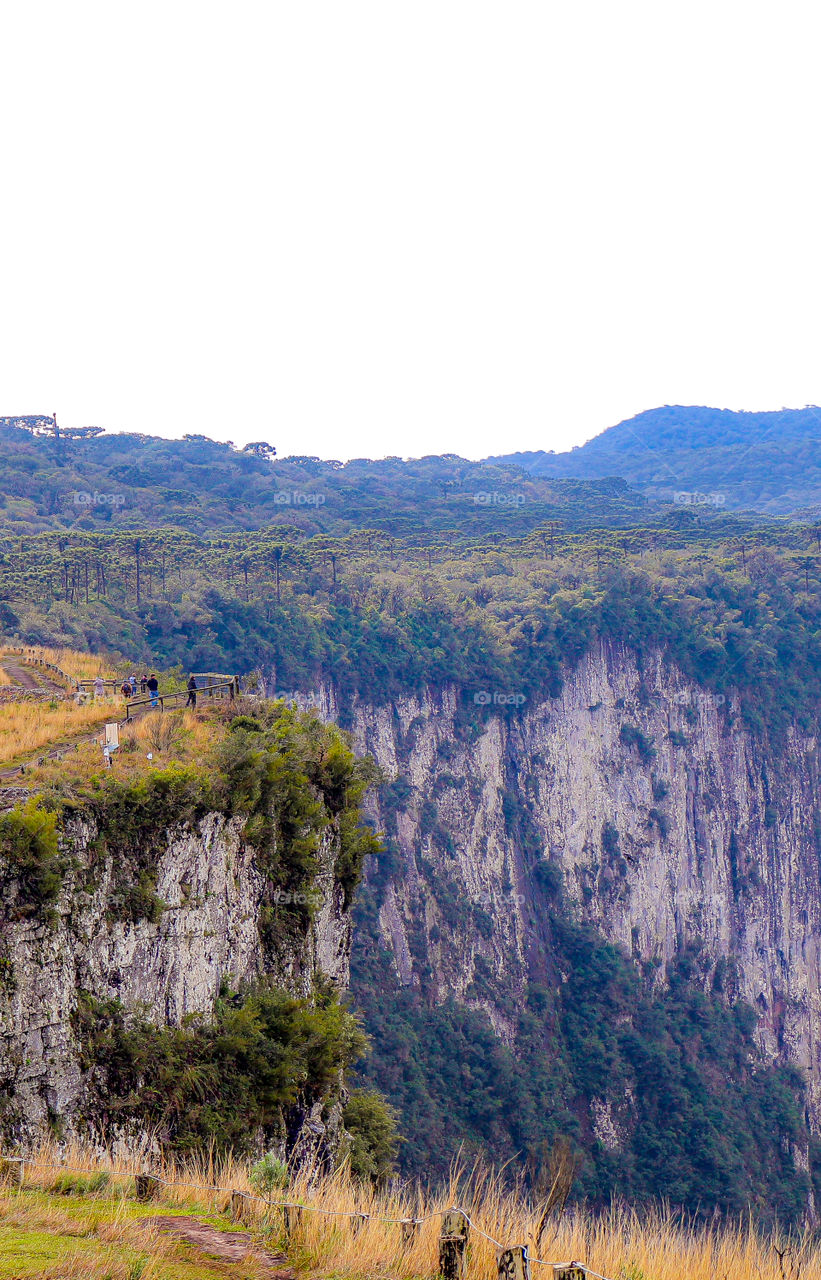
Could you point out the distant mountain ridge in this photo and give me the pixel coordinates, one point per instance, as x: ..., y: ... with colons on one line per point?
x: 91, y: 482
x: 767, y: 462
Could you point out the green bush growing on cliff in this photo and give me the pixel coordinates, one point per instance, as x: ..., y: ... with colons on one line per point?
x: 28, y: 847
x: 255, y: 1067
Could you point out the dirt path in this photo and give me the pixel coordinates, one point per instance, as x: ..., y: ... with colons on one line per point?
x: 227, y: 1246
x: 27, y: 677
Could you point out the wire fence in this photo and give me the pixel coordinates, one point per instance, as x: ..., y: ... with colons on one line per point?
x: 408, y: 1224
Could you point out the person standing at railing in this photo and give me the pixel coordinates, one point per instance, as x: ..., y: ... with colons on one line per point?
x: 192, y: 692
x: 99, y: 687
x: 143, y: 683
x: 125, y: 688
x: 153, y: 684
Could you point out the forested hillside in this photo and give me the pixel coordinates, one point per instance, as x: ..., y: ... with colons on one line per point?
x: 381, y: 617
x: 767, y: 462
x: 99, y: 483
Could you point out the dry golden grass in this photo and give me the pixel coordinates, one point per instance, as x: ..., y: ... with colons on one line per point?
x: 178, y: 736
x: 624, y: 1244
x: 82, y: 666
x: 28, y: 727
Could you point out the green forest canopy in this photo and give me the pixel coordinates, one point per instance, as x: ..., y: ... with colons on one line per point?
x: 381, y: 616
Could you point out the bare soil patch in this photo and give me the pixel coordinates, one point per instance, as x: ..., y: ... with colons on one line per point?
x: 227, y: 1246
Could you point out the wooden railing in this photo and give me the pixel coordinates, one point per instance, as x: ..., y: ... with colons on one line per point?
x: 227, y: 687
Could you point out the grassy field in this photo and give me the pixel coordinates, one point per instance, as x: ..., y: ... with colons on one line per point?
x: 28, y: 727
x: 82, y: 666
x: 95, y: 1237
x: 56, y: 1223
x: 176, y: 736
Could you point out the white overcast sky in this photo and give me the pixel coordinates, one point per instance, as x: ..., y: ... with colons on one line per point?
x: 367, y: 228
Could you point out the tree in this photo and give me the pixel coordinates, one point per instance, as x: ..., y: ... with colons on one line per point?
x: 276, y: 555
x: 260, y: 449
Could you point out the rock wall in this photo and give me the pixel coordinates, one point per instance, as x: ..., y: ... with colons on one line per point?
x: 207, y: 932
x: 672, y: 826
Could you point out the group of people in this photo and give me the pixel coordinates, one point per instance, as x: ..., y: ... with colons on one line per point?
x: 147, y: 684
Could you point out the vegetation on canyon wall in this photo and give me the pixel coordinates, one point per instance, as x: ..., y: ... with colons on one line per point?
x: 251, y: 1069
x: 661, y: 1091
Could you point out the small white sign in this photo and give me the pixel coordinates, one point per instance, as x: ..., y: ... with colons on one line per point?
x: 112, y: 736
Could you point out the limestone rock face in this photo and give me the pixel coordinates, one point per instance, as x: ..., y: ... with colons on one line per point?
x: 208, y: 932
x: 671, y: 824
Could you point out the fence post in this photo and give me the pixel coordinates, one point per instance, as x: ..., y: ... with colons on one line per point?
x: 453, y: 1246
x: 514, y: 1263
x: 292, y: 1218
x: 12, y: 1167
x: 573, y: 1271
x: 358, y: 1221
x: 146, y: 1186
x: 409, y: 1228
x: 240, y: 1207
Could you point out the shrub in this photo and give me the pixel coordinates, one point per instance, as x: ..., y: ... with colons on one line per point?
x: 549, y: 876
x: 256, y: 1065
x: 371, y: 1124
x: 610, y: 840
x: 28, y: 845
x: 245, y: 722
x: 632, y: 736
x: 269, y: 1174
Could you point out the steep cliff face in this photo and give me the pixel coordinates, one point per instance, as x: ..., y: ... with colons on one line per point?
x: 208, y: 878
x: 670, y: 826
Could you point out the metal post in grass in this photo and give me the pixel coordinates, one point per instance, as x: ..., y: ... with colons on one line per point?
x: 358, y: 1221
x: 514, y: 1263
x: 12, y: 1169
x: 453, y: 1245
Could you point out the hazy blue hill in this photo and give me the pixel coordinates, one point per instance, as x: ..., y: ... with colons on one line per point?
x: 768, y: 462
